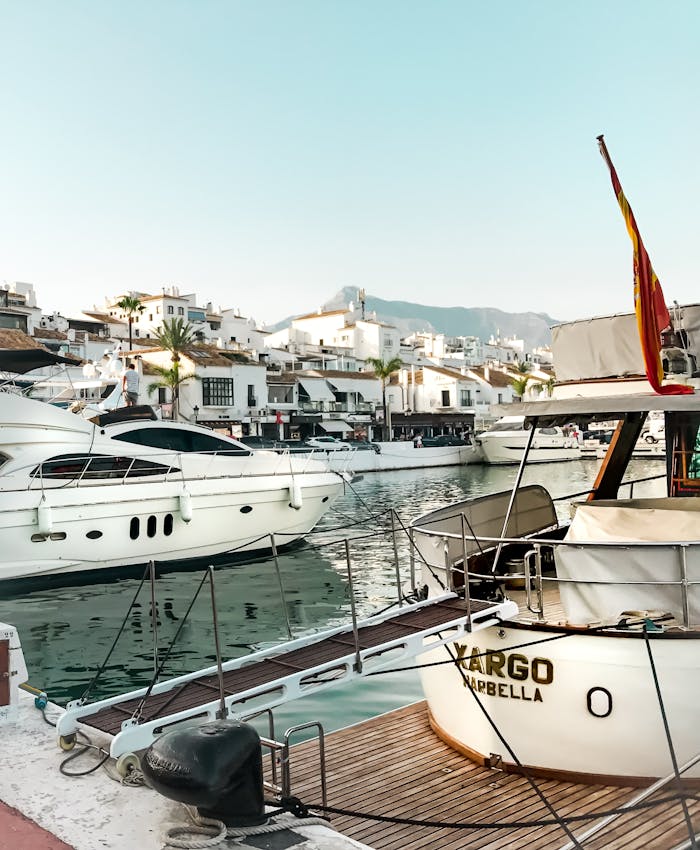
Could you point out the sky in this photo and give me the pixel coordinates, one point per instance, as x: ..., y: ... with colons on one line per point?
x: 266, y: 153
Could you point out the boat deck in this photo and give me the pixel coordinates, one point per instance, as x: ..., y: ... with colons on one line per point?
x: 395, y: 765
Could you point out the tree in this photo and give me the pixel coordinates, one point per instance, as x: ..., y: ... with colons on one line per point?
x: 520, y: 385
x: 384, y: 369
x: 523, y: 367
x: 175, y: 336
x: 130, y: 304
x: 173, y: 380
x: 549, y: 386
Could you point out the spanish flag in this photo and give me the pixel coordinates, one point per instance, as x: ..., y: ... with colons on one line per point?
x: 649, y: 303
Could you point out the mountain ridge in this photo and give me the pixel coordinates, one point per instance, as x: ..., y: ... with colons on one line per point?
x: 483, y: 322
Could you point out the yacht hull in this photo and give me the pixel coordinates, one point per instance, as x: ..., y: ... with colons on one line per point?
x: 503, y: 448
x: 92, y: 527
x: 571, y: 705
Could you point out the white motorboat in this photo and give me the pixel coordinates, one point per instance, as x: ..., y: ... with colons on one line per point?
x: 606, y: 648
x: 508, y: 437
x: 79, y: 495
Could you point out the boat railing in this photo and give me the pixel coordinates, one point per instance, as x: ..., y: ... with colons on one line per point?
x: 527, y: 570
x: 76, y: 470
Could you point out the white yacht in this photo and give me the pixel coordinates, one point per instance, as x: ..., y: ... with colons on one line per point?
x: 79, y: 495
x: 606, y: 648
x: 507, y: 438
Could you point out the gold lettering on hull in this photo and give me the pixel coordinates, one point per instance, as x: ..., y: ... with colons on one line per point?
x: 526, y: 673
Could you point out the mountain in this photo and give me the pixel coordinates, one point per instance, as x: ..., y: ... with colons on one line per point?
x: 483, y: 322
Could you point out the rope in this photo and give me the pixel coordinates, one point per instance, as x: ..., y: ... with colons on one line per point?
x: 214, y: 832
x: 671, y: 748
x: 526, y: 824
x: 102, y: 666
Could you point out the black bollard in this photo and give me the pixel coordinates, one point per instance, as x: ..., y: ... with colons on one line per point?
x: 216, y: 767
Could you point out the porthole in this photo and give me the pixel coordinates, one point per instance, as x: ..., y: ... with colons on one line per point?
x: 134, y: 528
x: 168, y: 525
x: 599, y: 702
x: 151, y: 526
x: 38, y: 538
x: 94, y: 535
x: 246, y: 509
x: 57, y: 535
x: 324, y: 499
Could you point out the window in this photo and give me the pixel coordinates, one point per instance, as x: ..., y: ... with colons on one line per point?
x: 150, y: 317
x: 179, y: 439
x: 252, y: 401
x: 171, y: 309
x: 465, y: 398
x: 136, y: 332
x: 181, y: 311
x: 388, y: 341
x: 98, y: 467
x: 280, y: 394
x: 217, y: 392
x: 162, y: 395
x: 445, y: 398
x: 500, y: 398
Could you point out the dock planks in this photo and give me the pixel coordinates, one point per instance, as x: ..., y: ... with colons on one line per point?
x: 395, y: 765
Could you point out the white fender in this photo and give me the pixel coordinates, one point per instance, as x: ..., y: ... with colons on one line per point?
x: 296, y: 500
x: 44, y: 520
x: 185, y: 506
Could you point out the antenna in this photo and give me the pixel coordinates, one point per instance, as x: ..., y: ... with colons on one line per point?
x: 361, y: 298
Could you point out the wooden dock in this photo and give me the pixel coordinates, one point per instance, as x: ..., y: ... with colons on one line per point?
x: 395, y: 765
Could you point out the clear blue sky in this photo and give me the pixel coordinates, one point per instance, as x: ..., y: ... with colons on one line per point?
x: 267, y: 153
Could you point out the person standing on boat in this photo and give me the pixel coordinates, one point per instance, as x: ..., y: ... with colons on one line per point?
x: 130, y: 385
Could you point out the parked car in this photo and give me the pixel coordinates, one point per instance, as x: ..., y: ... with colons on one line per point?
x: 444, y: 440
x: 363, y: 445
x: 330, y: 444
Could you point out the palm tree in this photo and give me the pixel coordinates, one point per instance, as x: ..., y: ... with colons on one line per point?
x: 520, y: 385
x: 130, y: 304
x: 384, y: 369
x: 172, y: 379
x: 549, y: 386
x: 523, y: 367
x: 175, y: 336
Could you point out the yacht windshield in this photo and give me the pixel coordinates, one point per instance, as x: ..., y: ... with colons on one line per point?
x: 181, y: 440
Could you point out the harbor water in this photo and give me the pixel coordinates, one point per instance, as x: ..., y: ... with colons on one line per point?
x: 67, y: 632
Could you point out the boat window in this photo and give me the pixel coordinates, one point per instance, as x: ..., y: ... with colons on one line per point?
x: 548, y: 431
x: 94, y: 467
x: 3, y: 458
x: 683, y: 435
x: 181, y: 440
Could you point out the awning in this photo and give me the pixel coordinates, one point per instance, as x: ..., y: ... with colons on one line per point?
x: 369, y: 390
x: 317, y: 389
x: 21, y: 360
x: 336, y: 426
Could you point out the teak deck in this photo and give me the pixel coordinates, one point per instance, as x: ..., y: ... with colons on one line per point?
x: 395, y: 765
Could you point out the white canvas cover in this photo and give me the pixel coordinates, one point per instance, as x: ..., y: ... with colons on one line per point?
x: 606, y: 347
x: 532, y: 511
x: 639, y: 522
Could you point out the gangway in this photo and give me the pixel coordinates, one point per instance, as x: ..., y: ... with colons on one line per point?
x: 271, y: 677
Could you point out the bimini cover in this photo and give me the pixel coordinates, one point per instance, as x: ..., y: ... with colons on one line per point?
x: 607, y: 347
x: 648, y: 527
